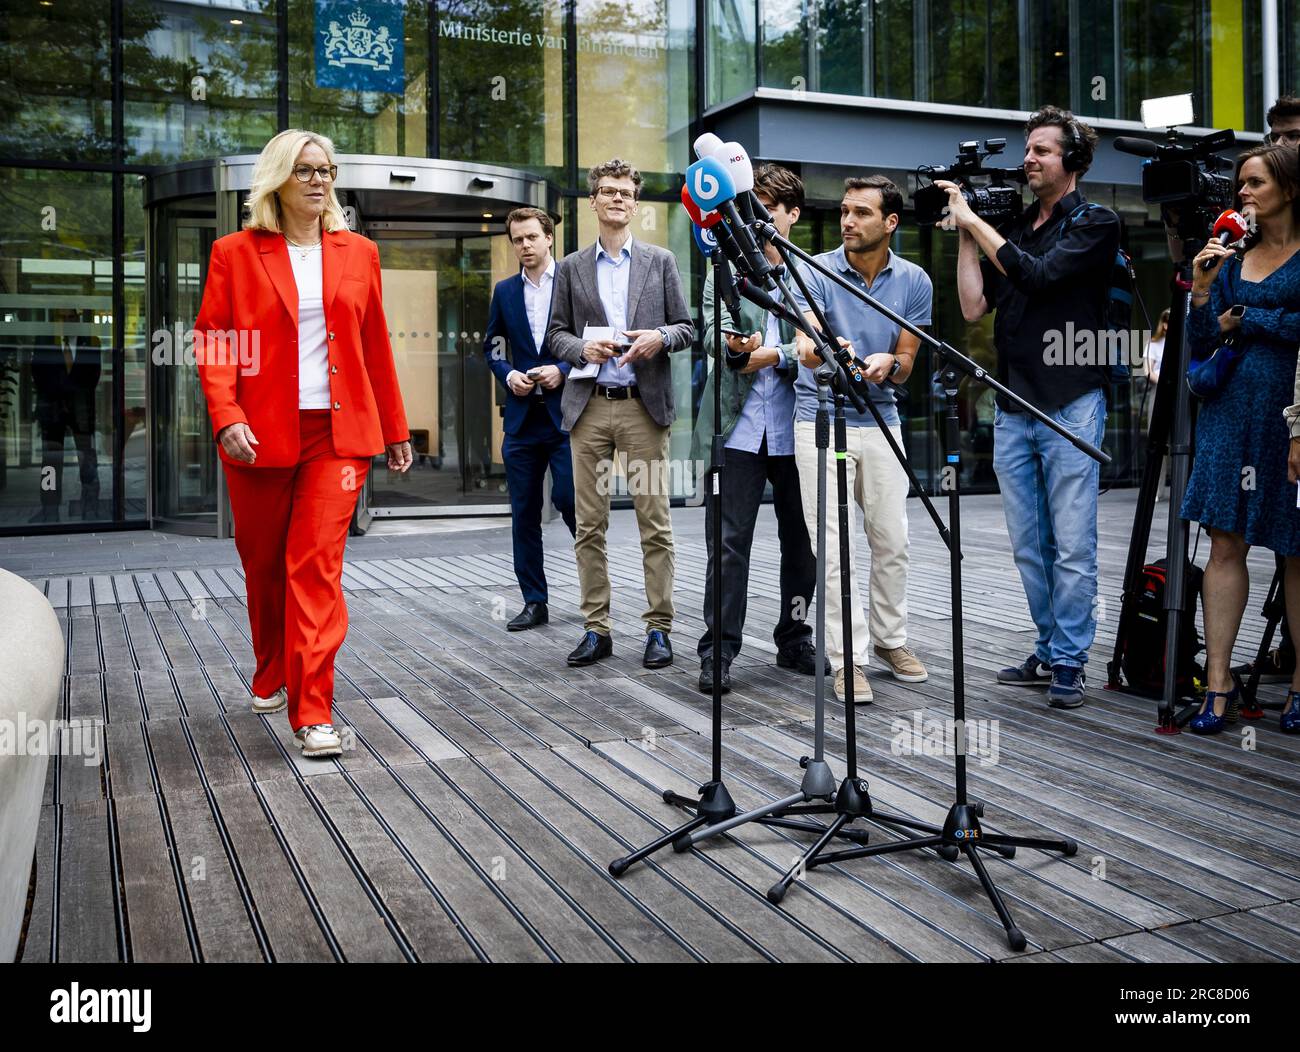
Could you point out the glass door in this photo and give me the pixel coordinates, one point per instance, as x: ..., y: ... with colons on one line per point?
x: 184, y: 462
x: 437, y: 289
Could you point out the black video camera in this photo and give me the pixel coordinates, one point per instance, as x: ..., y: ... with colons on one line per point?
x: 994, y: 201
x: 1182, y: 177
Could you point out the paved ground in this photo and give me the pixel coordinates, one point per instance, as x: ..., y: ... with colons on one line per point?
x: 490, y: 785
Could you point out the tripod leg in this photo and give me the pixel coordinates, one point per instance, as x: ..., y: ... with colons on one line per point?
x: 1015, y: 937
x: 619, y: 866
x: 777, y: 891
x: 1068, y: 848
x: 892, y: 847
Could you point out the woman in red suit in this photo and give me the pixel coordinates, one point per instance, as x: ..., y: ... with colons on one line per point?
x: 293, y: 354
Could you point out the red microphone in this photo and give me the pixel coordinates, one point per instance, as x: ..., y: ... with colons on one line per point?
x: 700, y: 219
x: 1229, y: 227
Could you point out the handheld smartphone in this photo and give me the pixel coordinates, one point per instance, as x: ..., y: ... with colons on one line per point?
x: 732, y: 332
x: 534, y: 374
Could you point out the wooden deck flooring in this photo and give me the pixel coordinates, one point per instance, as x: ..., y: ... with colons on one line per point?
x: 490, y: 785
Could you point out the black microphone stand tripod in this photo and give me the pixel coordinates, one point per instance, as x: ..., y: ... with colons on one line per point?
x: 961, y: 832
x: 715, y: 806
x: 839, y: 372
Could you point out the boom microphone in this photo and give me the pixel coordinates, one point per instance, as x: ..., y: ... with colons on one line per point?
x: 1229, y: 227
x: 1137, y: 147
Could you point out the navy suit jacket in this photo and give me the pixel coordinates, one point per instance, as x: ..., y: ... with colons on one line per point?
x: 509, y: 345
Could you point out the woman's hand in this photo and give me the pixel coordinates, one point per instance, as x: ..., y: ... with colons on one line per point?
x: 399, y: 456
x: 238, y: 442
x: 1202, y: 279
x: 1293, y: 461
x: 1229, y: 322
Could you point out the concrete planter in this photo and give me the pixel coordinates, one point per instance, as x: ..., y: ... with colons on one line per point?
x: 31, y: 674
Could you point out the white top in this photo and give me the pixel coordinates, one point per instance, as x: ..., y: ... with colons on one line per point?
x: 1155, y: 353
x: 537, y: 303
x: 313, y: 354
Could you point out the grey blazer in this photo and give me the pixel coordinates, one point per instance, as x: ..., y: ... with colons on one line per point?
x: 654, y: 299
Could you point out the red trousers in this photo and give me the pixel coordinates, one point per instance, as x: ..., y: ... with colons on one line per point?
x: 291, y: 526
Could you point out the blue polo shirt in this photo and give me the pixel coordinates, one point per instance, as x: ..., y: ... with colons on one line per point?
x: 901, y: 286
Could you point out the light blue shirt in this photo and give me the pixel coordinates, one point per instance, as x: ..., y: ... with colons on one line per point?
x: 769, y: 410
x: 612, y: 280
x: 901, y: 286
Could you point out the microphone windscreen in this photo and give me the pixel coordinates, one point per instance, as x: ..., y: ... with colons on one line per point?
x: 1137, y: 147
x: 736, y: 158
x: 702, y: 219
x: 1231, y: 222
x: 706, y: 145
x: 709, y: 184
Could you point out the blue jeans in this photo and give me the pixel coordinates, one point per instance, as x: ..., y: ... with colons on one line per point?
x: 1049, y: 496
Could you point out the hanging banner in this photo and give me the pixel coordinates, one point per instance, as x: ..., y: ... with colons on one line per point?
x: 359, y: 45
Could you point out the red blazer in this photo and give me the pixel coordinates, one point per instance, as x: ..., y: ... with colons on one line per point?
x: 253, y: 378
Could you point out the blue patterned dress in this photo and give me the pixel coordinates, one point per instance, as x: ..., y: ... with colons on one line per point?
x: 1242, y: 427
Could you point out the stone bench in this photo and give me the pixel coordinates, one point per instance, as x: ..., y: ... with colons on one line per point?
x: 31, y: 676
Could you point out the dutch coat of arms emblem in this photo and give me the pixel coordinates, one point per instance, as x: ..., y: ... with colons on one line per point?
x: 358, y: 44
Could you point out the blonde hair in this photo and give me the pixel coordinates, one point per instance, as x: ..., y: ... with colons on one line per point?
x: 274, y: 168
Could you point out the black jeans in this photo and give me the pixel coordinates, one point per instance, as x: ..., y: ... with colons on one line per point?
x: 744, y: 477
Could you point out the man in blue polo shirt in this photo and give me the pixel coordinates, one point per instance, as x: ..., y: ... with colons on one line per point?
x: 869, y: 215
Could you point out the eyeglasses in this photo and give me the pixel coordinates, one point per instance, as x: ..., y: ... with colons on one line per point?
x: 304, y: 172
x: 610, y: 192
x: 1290, y: 137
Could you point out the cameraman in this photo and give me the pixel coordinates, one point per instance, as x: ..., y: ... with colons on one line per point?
x: 1051, y: 267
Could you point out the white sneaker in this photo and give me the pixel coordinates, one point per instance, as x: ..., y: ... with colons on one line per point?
x: 276, y: 702
x: 320, y: 739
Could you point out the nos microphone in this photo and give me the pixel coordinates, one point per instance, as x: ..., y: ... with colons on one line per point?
x: 1229, y: 227
x: 734, y: 156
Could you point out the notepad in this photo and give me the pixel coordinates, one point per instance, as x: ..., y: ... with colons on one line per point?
x: 590, y: 370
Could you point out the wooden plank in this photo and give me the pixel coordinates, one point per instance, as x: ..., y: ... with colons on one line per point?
x: 1275, y: 939
x: 36, y: 944
x: 431, y: 931
x: 419, y: 734
x: 359, y: 928
x: 87, y: 917
x: 153, y: 908
x: 221, y: 920
x: 128, y: 761
x: 291, y: 928
x: 572, y: 938
x: 172, y: 756
x: 1217, y: 944
x: 483, y: 912
x: 1150, y: 948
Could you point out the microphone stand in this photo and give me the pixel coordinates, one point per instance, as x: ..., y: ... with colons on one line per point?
x: 961, y: 832
x: 715, y: 806
x: 817, y: 783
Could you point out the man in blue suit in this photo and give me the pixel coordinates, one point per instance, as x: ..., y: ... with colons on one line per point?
x: 517, y: 351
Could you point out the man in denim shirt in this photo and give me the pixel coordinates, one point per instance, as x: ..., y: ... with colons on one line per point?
x: 758, y: 428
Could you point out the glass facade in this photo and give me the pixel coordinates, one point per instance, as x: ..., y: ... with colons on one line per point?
x: 1100, y: 58
x: 102, y: 95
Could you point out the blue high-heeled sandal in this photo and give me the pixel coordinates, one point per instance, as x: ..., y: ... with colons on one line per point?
x: 1290, y: 722
x: 1205, y: 721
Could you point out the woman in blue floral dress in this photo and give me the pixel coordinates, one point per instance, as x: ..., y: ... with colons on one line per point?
x: 1239, y: 489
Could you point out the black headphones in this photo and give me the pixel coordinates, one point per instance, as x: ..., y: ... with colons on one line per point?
x: 1076, y: 156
